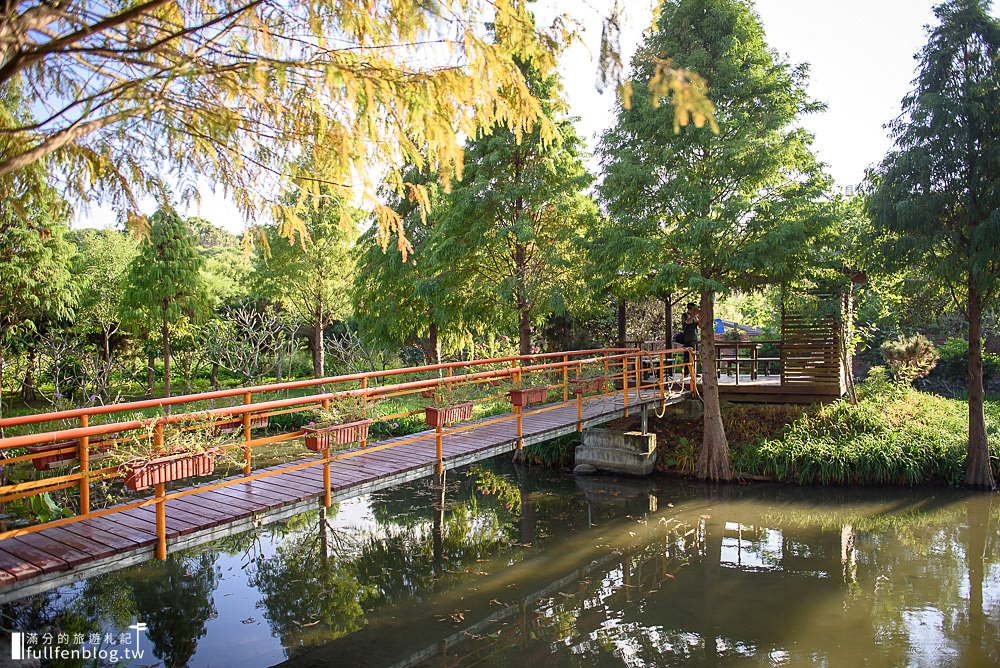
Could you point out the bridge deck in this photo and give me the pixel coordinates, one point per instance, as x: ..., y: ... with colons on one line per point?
x: 55, y: 556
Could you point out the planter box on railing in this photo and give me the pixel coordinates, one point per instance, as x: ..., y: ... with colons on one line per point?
x: 428, y: 393
x: 532, y: 395
x: 234, y: 425
x: 60, y: 459
x: 142, y: 475
x: 439, y: 417
x: 319, y: 439
x: 584, y: 385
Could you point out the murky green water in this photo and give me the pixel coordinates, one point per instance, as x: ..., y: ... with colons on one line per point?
x: 527, y: 568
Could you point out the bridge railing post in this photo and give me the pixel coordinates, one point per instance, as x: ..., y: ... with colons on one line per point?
x: 625, y: 383
x: 439, y: 448
x: 565, y: 375
x: 364, y: 409
x: 247, y: 400
x: 661, y: 375
x: 691, y: 371
x: 161, y: 523
x: 84, y: 458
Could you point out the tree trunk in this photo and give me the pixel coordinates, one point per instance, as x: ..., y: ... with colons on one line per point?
x: 165, y: 335
x: 978, y: 471
x: 713, y: 462
x: 215, y: 375
x: 433, y: 351
x: 1, y: 395
x: 524, y: 329
x: 106, y: 347
x: 318, y: 353
x: 28, y: 386
x: 668, y: 321
x: 150, y: 373
x: 621, y: 323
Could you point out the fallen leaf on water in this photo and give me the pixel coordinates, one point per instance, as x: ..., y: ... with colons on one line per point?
x: 248, y: 620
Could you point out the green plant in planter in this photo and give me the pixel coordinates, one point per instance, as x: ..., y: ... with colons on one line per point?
x: 189, y: 447
x: 342, y: 409
x: 527, y: 390
x: 452, y: 403
x: 452, y: 394
x: 342, y: 423
x: 593, y: 382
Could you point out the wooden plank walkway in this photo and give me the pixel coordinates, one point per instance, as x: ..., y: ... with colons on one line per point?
x: 56, y: 556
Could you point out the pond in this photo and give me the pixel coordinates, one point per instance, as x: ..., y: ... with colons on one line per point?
x: 508, y: 566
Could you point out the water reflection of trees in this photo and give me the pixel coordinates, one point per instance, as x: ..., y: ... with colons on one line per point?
x: 175, y: 599
x: 775, y: 587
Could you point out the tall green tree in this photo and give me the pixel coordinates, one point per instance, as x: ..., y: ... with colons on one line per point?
x: 514, y: 222
x: 713, y: 212
x: 165, y: 282
x: 35, y: 280
x: 100, y: 270
x: 312, y: 279
x: 936, y: 196
x: 398, y: 302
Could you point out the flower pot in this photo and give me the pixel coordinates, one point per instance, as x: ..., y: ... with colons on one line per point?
x: 584, y: 385
x: 234, y: 425
x: 323, y: 438
x: 60, y: 459
x: 166, y: 468
x: 439, y: 417
x: 532, y: 395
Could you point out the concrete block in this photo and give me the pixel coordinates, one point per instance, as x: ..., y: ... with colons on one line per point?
x: 628, y: 453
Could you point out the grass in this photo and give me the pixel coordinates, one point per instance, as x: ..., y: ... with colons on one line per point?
x: 895, y: 435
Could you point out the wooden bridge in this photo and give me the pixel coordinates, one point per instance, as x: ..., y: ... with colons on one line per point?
x: 581, y: 388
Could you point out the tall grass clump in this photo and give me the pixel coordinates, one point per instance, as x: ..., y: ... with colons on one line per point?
x: 894, y: 435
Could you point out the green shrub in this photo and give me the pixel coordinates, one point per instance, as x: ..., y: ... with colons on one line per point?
x: 954, y: 361
x: 895, y: 435
x: 910, y: 357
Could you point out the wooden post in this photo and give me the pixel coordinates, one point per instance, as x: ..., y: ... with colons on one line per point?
x: 84, y: 468
x: 439, y: 447
x: 737, y: 364
x: 625, y: 383
x: 161, y: 523
x: 327, y: 497
x: 691, y: 371
x: 662, y: 379
x: 520, y: 427
x: 579, y: 412
x: 565, y: 371
x: 364, y: 409
x: 247, y: 399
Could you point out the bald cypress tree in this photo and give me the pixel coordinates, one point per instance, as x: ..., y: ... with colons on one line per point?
x: 709, y: 211
x: 165, y: 282
x: 936, y: 196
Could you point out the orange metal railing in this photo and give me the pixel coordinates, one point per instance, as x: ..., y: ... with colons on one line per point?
x: 631, y: 369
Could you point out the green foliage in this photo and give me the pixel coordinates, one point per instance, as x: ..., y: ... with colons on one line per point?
x: 311, y: 280
x: 343, y: 408
x: 100, y: 270
x: 397, y: 301
x: 895, y: 435
x: 910, y: 357
x: 954, y: 360
x: 707, y: 211
x: 196, y: 434
x: 554, y: 452
x: 45, y: 509
x: 512, y: 224
x: 488, y: 482
x: 935, y: 197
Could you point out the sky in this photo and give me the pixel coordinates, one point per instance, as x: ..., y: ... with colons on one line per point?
x: 860, y: 52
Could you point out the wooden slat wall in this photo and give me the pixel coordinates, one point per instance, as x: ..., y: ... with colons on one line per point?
x: 810, y: 351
